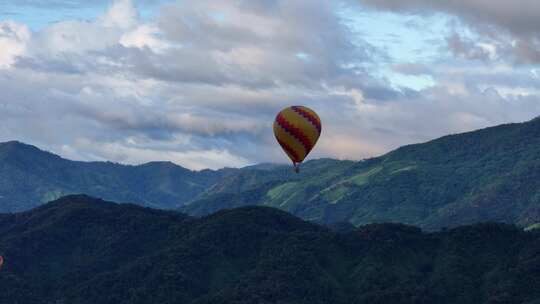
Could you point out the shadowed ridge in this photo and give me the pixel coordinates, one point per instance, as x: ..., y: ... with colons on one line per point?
x: 79, y: 249
x: 342, y: 227
x: 78, y: 213
x: 263, y: 218
x: 389, y: 232
x: 77, y: 236
x: 82, y: 201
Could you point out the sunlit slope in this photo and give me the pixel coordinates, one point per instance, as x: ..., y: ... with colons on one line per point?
x: 487, y: 175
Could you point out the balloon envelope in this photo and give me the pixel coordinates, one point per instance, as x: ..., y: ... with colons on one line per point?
x: 297, y: 130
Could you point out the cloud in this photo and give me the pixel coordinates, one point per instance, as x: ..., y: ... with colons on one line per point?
x: 208, y: 75
x: 520, y: 16
x: 137, y: 153
x: 412, y: 69
x: 469, y: 49
x: 13, y: 40
x: 74, y: 4
x: 201, y: 83
x: 145, y: 36
x: 513, y: 25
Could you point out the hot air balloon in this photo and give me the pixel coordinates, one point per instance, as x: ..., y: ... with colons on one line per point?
x: 1, y: 261
x: 297, y: 130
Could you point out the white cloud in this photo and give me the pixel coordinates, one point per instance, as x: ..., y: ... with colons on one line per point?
x: 138, y: 153
x: 201, y: 84
x: 145, y: 36
x: 122, y: 14
x: 13, y: 42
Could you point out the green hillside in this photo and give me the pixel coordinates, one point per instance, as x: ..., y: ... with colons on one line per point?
x: 533, y: 227
x: 486, y: 175
x: 491, y: 174
x: 81, y: 250
x: 30, y: 177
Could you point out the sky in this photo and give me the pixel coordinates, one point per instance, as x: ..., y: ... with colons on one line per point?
x: 199, y: 82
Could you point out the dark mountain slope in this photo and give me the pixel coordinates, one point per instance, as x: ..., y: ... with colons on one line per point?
x: 491, y: 174
x: 81, y: 250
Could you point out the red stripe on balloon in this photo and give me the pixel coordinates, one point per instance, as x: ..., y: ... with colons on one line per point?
x: 290, y: 151
x: 295, y: 132
x: 314, y: 120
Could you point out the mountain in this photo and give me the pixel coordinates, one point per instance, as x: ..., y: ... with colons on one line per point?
x: 83, y: 250
x: 486, y: 175
x: 30, y: 177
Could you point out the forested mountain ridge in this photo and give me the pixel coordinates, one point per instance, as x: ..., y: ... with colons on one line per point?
x: 30, y: 177
x: 486, y: 175
x: 83, y: 250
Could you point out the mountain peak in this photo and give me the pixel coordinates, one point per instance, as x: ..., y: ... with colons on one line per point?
x: 164, y: 166
x: 22, y: 151
x: 77, y: 199
x: 18, y: 146
x: 91, y: 208
x: 161, y: 164
x: 14, y: 144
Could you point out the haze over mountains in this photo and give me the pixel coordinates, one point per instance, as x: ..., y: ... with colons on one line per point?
x: 486, y: 175
x: 81, y: 250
